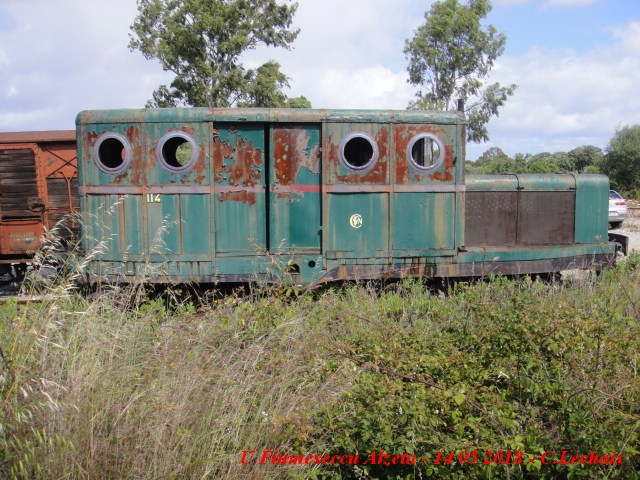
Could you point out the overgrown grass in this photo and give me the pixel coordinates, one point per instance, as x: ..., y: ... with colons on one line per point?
x: 117, y: 388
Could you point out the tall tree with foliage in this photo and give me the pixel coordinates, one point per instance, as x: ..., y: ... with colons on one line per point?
x: 622, y: 160
x: 450, y: 57
x: 586, y: 158
x: 201, y: 41
x: 265, y: 89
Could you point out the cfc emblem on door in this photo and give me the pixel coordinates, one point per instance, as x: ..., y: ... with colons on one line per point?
x: 356, y: 220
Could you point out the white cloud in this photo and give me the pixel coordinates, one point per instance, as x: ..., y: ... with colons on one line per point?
x: 370, y: 87
x: 57, y: 58
x: 565, y: 100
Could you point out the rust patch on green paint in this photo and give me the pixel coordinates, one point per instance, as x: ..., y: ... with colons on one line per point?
x: 402, y: 136
x: 237, y: 166
x: 291, y: 153
x: 447, y: 174
x: 382, y: 139
x: 376, y: 175
x: 137, y: 168
x: 241, y: 196
x: 221, y: 151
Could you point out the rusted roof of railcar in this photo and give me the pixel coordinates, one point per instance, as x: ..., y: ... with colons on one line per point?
x: 38, y: 136
x: 291, y: 115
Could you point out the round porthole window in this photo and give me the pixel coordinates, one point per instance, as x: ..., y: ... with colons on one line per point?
x: 112, y: 152
x: 358, y: 151
x: 177, y: 152
x: 425, y: 151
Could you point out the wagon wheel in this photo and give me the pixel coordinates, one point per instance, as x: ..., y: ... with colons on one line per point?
x: 18, y: 271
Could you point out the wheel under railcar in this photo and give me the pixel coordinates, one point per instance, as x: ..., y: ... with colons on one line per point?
x: 38, y: 187
x: 227, y: 195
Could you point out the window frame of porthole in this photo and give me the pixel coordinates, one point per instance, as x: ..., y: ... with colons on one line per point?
x: 195, y: 151
x: 420, y: 136
x: 98, y: 159
x: 374, y: 146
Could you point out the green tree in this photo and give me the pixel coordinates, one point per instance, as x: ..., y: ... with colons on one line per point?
x: 503, y: 165
x: 298, y: 102
x: 201, y: 41
x: 543, y: 165
x: 450, y: 57
x: 545, y: 162
x: 622, y: 159
x: 490, y: 154
x: 265, y: 89
x: 586, y: 156
x: 564, y: 162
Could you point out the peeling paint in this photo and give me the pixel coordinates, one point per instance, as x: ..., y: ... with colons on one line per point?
x: 377, y: 174
x: 237, y: 165
x: 241, y: 196
x: 292, y: 152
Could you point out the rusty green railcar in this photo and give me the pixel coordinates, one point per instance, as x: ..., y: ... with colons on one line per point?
x: 226, y: 195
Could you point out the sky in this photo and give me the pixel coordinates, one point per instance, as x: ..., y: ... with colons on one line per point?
x: 576, y: 64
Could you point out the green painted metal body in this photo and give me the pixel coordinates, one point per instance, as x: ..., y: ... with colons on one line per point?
x: 276, y: 192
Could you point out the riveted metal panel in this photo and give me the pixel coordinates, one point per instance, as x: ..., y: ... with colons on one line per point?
x: 238, y: 153
x: 491, y: 218
x: 546, y: 218
x: 294, y: 192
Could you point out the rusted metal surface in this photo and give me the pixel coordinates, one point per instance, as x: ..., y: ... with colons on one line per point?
x: 38, y: 187
x: 408, y: 268
x: 546, y: 218
x: 322, y: 194
x: 337, y: 172
x: 50, y: 136
x: 294, y: 202
x: 291, y: 153
x: 238, y: 166
x: 522, y: 210
x: 403, y: 170
x: 491, y: 218
x: 20, y: 236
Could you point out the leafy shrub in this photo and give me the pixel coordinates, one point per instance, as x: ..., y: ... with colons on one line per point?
x: 502, y: 366
x: 112, y: 388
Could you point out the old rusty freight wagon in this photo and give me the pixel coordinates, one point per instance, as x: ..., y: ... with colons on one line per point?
x: 225, y: 195
x: 38, y: 187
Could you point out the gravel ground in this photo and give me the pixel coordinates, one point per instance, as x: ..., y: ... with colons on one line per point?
x: 631, y: 228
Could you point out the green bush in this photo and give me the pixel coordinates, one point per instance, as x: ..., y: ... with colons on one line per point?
x: 112, y: 388
x: 502, y: 366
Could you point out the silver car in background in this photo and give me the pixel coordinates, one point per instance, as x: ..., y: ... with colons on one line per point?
x: 617, y: 209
